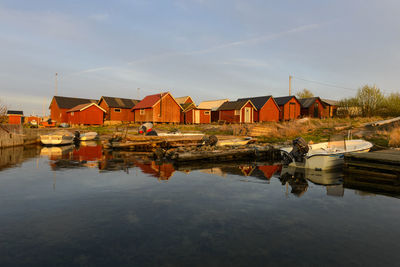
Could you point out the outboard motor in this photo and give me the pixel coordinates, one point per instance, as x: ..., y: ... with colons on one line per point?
x: 299, y: 151
x: 77, y: 135
x: 145, y: 127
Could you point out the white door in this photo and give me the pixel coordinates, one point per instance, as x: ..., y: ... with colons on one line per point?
x: 247, y: 115
x: 197, y: 116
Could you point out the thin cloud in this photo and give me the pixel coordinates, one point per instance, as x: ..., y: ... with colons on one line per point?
x: 256, y: 40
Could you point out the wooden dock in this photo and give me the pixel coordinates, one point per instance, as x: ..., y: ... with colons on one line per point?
x: 378, y: 170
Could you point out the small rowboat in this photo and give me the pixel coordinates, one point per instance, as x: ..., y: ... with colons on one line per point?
x: 234, y: 142
x: 88, y: 136
x: 57, y: 138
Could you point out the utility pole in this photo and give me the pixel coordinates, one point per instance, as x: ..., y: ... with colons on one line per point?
x: 290, y: 85
x: 56, y: 89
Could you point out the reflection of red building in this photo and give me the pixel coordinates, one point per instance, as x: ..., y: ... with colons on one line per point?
x: 270, y: 170
x: 88, y: 153
x: 163, y: 171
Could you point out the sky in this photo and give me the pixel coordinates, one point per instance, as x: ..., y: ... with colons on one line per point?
x: 208, y: 49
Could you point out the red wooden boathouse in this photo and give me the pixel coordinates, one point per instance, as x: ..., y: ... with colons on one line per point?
x: 86, y: 114
x: 289, y: 107
x: 267, y: 108
x: 241, y: 111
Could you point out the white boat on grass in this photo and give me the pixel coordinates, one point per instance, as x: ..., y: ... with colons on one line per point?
x: 323, y: 156
x: 57, y: 138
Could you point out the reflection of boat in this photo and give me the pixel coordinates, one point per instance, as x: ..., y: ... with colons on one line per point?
x: 330, y: 177
x: 331, y: 180
x: 56, y: 151
x: 57, y: 138
x: 88, y: 136
x: 323, y: 156
x: 234, y: 142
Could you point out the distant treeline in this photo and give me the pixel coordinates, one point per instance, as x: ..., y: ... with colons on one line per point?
x: 370, y: 101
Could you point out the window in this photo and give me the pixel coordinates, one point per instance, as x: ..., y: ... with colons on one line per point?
x: 142, y: 112
x: 72, y: 113
x: 237, y: 112
x: 206, y: 112
x: 117, y: 110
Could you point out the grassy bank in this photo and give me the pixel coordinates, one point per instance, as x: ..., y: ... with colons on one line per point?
x: 312, y: 130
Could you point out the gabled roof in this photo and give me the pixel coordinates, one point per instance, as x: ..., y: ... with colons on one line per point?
x: 15, y: 112
x: 70, y: 102
x: 117, y: 102
x: 283, y: 99
x: 259, y: 101
x: 187, y: 106
x: 212, y: 104
x: 235, y: 105
x: 309, y: 101
x: 82, y: 107
x: 150, y: 100
x: 330, y: 102
x: 182, y: 99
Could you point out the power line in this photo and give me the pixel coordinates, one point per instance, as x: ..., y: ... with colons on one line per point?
x: 326, y: 84
x: 336, y: 86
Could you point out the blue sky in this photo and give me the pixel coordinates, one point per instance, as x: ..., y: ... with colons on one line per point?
x: 208, y: 49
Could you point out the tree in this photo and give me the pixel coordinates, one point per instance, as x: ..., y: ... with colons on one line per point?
x: 370, y: 99
x: 305, y: 93
x: 3, y: 113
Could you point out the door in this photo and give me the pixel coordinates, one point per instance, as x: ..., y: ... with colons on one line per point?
x: 292, y: 111
x: 247, y: 115
x: 316, y: 110
x: 197, y: 116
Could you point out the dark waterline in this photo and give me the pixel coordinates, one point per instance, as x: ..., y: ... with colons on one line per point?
x: 86, y: 207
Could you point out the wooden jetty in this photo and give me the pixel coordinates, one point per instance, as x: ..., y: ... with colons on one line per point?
x: 378, y: 170
x: 227, y: 154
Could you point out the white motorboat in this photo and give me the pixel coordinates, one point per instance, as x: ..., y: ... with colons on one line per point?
x: 323, y: 156
x: 57, y: 138
x: 88, y: 136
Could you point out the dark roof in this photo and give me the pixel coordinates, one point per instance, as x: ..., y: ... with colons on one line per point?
x: 330, y: 102
x: 117, y: 102
x: 283, y: 99
x: 15, y: 112
x: 258, y: 101
x: 233, y: 105
x: 308, y: 102
x: 70, y: 102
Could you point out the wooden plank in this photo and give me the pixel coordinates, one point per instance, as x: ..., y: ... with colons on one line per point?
x: 376, y: 166
x: 371, y: 175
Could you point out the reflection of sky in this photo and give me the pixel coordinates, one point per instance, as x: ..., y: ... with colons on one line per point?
x: 111, y: 218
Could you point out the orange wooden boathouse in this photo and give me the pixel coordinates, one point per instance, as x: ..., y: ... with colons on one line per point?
x: 158, y: 108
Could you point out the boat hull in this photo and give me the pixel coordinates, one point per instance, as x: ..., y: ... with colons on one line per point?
x: 324, y: 157
x: 56, y: 140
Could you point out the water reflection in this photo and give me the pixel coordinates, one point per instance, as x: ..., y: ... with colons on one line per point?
x: 297, y: 181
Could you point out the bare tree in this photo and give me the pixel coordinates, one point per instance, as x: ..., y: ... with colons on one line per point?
x: 370, y: 99
x: 305, y: 93
x: 3, y: 113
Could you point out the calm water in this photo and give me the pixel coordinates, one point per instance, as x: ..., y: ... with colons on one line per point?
x: 85, y: 207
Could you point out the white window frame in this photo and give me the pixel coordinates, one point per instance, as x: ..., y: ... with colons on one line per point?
x: 117, y: 110
x: 142, y: 112
x: 237, y: 112
x: 72, y: 113
x: 207, y: 112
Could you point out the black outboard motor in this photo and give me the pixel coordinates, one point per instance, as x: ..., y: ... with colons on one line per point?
x: 77, y: 135
x: 299, y: 151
